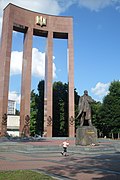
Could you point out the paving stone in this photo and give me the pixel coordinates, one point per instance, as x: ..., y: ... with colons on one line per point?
x: 84, y: 163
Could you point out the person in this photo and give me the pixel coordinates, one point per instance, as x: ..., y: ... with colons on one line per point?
x: 65, y: 144
x: 84, y: 108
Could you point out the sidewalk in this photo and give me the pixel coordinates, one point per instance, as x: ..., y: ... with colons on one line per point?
x: 44, y: 156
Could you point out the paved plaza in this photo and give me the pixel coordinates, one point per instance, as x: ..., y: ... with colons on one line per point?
x: 101, y: 162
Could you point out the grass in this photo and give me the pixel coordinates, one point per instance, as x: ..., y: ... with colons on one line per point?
x: 23, y: 175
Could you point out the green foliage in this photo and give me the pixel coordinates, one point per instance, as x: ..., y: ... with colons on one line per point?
x: 95, y: 113
x: 110, y: 110
x: 33, y: 113
x: 40, y: 107
x: 106, y: 115
x: 96, y: 120
x: 37, y: 110
x: 60, y: 109
x: 76, y: 98
x: 17, y: 112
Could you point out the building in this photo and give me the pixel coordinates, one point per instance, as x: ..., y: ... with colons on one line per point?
x: 13, y: 121
x: 11, y: 107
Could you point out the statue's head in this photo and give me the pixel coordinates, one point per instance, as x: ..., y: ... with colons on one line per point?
x: 86, y: 92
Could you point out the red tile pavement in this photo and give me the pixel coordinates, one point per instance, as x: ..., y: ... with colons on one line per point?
x: 74, y: 166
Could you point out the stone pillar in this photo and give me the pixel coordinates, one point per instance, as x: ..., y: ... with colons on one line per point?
x: 71, y: 85
x: 26, y: 79
x: 5, y: 55
x: 48, y: 86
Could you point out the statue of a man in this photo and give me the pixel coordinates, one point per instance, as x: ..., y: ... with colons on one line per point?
x: 84, y: 107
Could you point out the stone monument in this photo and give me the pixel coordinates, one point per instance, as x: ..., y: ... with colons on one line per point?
x: 32, y: 23
x: 86, y: 133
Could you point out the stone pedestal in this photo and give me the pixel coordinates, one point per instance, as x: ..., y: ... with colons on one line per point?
x: 86, y: 135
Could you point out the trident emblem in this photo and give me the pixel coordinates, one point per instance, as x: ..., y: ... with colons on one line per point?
x: 40, y: 21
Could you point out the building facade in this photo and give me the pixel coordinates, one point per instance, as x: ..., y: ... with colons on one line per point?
x: 11, y: 107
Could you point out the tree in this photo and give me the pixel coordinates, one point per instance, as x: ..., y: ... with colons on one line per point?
x: 33, y: 113
x: 17, y: 112
x: 110, y: 110
x: 96, y: 120
x: 40, y: 107
x: 76, y: 98
x: 60, y: 109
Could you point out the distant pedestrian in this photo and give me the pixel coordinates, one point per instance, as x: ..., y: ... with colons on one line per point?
x: 65, y: 144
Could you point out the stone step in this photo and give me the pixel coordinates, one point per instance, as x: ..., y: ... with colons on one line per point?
x: 46, y: 149
x: 53, y: 145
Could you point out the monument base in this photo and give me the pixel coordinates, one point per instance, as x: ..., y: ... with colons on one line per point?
x: 86, y: 135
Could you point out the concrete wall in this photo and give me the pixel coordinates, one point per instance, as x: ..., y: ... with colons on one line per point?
x: 13, y: 123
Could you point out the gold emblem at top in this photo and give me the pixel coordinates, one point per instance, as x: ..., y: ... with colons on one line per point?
x: 40, y: 21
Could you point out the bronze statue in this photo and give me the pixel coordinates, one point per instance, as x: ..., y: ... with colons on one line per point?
x: 84, y: 107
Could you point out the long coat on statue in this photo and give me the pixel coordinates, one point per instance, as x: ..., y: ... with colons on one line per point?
x: 84, y: 106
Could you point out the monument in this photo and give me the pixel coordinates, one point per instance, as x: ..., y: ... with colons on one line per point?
x: 33, y: 23
x: 86, y: 133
